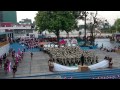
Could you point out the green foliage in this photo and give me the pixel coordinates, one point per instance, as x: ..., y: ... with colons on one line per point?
x: 55, y: 20
x: 113, y: 28
x: 117, y: 25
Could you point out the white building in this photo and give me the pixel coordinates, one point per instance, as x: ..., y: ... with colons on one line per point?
x: 20, y: 31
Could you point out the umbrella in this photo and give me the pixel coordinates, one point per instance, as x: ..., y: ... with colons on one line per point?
x: 62, y: 42
x: 74, y: 41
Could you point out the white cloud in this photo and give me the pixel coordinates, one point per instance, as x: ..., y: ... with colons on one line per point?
x: 111, y: 16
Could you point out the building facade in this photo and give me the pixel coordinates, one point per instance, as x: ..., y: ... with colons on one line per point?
x: 8, y: 16
x: 1, y: 16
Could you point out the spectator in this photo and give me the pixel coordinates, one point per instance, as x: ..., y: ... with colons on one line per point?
x: 105, y: 58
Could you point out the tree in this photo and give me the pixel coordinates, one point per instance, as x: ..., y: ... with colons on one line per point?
x: 92, y: 26
x: 56, y: 21
x: 67, y: 31
x: 104, y: 26
x: 117, y: 25
x: 113, y: 29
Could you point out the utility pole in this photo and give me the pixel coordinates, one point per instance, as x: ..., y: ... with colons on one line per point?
x: 85, y: 29
x: 116, y: 25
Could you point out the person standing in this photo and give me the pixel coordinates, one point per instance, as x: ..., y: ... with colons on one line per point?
x: 8, y: 65
x: 22, y: 54
x: 97, y: 59
x: 24, y: 49
x: 102, y: 45
x: 4, y: 57
x: 82, y: 59
x: 110, y: 62
x: 50, y: 64
x: 5, y: 67
x: 31, y: 55
x: 14, y: 70
x: 0, y: 62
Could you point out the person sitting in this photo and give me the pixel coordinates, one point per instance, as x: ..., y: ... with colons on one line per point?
x: 107, y: 50
x: 114, y: 50
x: 100, y: 48
x: 105, y: 58
x: 104, y: 49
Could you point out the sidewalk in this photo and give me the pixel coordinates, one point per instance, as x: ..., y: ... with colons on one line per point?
x: 39, y: 64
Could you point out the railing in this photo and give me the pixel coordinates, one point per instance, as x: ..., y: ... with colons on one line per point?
x: 3, y: 43
x: 17, y: 27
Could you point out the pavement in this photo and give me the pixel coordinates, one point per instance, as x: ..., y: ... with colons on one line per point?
x: 37, y: 68
x: 115, y: 57
x: 29, y: 67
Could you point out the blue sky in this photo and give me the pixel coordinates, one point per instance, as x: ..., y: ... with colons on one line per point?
x: 109, y: 15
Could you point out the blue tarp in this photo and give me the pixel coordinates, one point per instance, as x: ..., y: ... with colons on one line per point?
x: 16, y: 46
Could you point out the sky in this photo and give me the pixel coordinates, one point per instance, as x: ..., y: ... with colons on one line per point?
x: 111, y: 16
x: 26, y: 14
